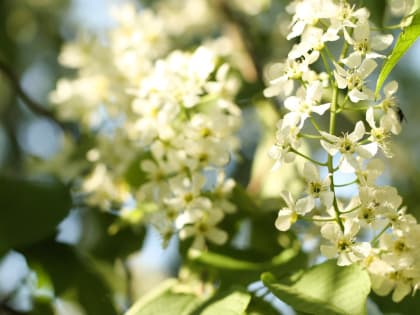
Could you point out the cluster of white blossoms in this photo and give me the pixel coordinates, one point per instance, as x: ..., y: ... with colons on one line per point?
x: 164, y: 125
x: 372, y: 228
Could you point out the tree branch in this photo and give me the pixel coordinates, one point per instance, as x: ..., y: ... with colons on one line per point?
x: 6, y: 310
x: 32, y: 105
x: 242, y: 28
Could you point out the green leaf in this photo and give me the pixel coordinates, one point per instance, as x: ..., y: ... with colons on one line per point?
x: 235, y: 267
x: 134, y: 175
x: 164, y: 301
x: 410, y: 305
x: 405, y: 40
x: 70, y: 272
x: 232, y: 263
x: 42, y: 308
x: 234, y: 303
x: 325, y: 289
x: 107, y: 237
x: 258, y: 306
x: 30, y: 211
x: 416, y: 6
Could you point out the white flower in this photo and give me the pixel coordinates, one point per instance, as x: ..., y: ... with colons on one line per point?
x: 390, y: 106
x: 221, y: 192
x: 376, y: 203
x: 348, y: 145
x: 343, y: 243
x: 102, y: 188
x: 185, y: 190
x: 282, y: 76
x: 289, y: 214
x: 157, y: 187
x: 286, y: 139
x: 400, y: 7
x: 381, y: 133
x: 312, y: 41
x: 368, y: 174
x: 354, y: 78
x: 366, y: 43
x: 204, y: 228
x: 309, y: 12
x: 317, y: 188
x: 346, y: 17
x: 400, y: 279
x: 306, y: 102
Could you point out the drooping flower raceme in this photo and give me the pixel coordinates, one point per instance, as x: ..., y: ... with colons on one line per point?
x: 373, y: 228
x: 162, y: 119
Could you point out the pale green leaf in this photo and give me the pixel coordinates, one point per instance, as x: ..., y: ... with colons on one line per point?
x: 234, y: 303
x: 164, y: 301
x: 232, y: 263
x: 405, y: 40
x: 325, y: 289
x: 416, y: 6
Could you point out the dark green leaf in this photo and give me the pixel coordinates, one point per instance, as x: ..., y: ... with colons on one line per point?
x: 405, y: 40
x: 108, y: 238
x: 258, y: 306
x: 232, y: 263
x: 134, y: 175
x: 325, y: 289
x: 409, y: 306
x: 164, y: 301
x: 30, y: 211
x: 70, y: 272
x: 245, y: 266
x: 42, y: 308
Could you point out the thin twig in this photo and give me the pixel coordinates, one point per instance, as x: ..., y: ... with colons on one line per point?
x: 32, y: 105
x: 242, y: 29
x: 6, y: 310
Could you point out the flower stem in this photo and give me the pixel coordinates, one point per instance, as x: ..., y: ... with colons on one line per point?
x: 351, y: 210
x: 376, y: 239
x: 309, y: 136
x: 307, y: 157
x: 330, y: 157
x: 315, y: 124
x: 346, y: 184
x: 319, y: 219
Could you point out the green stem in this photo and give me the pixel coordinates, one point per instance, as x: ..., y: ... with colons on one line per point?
x: 309, y: 136
x: 351, y: 210
x: 318, y: 219
x: 346, y: 184
x: 376, y: 239
x: 307, y: 157
x: 330, y: 157
x: 327, y: 67
x: 315, y: 124
x: 345, y: 48
x: 327, y: 50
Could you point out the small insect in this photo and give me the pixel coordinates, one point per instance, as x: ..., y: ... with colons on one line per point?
x: 300, y: 59
x: 400, y: 115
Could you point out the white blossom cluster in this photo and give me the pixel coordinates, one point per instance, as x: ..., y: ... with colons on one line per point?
x: 373, y: 228
x: 165, y: 118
